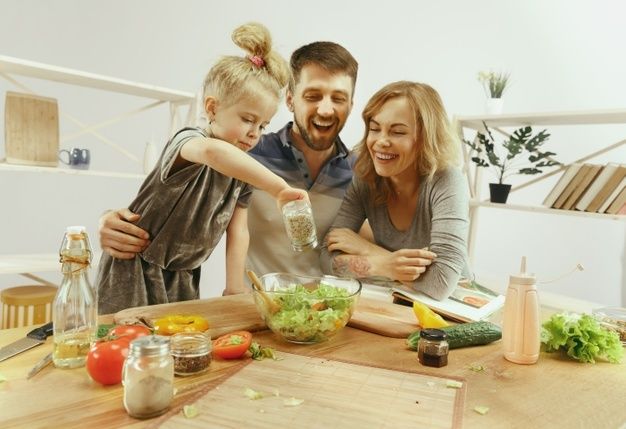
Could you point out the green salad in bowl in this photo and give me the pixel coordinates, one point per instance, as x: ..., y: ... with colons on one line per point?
x: 308, y: 309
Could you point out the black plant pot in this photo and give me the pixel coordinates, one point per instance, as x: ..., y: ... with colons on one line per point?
x: 499, y: 192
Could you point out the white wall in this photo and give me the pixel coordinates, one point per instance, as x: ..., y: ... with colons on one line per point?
x: 562, y: 55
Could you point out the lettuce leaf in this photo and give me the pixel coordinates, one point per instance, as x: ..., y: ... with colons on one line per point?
x: 581, y: 337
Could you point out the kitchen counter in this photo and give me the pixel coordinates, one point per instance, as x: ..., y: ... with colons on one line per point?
x: 555, y: 392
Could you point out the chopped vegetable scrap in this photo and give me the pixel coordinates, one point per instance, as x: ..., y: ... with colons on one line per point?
x: 259, y: 352
x: 582, y: 337
x: 293, y: 402
x: 454, y: 384
x: 252, y: 394
x: 2, y: 378
x: 476, y: 367
x: 173, y: 324
x: 190, y: 411
x: 481, y: 410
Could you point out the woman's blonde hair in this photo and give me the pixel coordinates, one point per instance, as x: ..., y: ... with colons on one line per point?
x: 438, y: 146
x: 230, y: 78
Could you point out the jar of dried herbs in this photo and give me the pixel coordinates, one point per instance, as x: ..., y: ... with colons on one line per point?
x: 148, y: 377
x: 298, y: 218
x: 432, y: 349
x: 191, y: 352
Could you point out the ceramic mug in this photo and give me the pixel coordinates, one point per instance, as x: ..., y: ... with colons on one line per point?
x: 76, y: 158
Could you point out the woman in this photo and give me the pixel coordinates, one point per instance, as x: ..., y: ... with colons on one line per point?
x: 409, y: 189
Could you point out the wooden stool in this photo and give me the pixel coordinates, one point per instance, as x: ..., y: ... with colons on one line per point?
x: 26, y: 305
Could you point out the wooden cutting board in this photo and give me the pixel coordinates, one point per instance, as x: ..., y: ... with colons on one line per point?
x: 379, y: 317
x: 31, y: 129
x: 360, y: 397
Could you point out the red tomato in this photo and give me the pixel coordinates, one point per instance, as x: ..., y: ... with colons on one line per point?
x: 233, y: 345
x: 131, y: 331
x: 106, y: 359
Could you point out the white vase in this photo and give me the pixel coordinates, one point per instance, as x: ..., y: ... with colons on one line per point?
x: 493, y: 106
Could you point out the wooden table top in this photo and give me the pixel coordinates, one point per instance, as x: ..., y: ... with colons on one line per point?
x: 555, y: 392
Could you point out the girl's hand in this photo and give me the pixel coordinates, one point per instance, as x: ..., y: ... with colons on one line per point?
x: 288, y: 194
x: 404, y: 265
x: 351, y: 243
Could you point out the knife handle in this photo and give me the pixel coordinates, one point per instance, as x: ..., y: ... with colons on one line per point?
x: 41, y: 333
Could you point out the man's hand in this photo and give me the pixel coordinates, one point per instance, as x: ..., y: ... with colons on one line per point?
x: 119, y: 237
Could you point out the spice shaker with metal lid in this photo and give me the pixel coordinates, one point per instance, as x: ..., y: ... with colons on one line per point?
x: 433, y: 348
x: 298, y: 218
x: 191, y: 352
x: 148, y: 377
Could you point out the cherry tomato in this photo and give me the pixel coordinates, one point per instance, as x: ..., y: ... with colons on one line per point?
x: 130, y: 331
x: 233, y: 345
x: 106, y: 359
x: 170, y: 325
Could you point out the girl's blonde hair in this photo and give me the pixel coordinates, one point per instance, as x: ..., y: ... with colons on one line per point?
x: 229, y: 79
x: 438, y: 146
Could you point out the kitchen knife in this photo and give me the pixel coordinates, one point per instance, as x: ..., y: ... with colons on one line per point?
x: 33, y: 338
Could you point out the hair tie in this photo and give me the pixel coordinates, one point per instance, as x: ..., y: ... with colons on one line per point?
x: 256, y: 60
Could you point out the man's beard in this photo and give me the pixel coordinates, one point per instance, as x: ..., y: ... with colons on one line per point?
x: 309, y: 141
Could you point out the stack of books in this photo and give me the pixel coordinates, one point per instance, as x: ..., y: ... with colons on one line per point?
x: 590, y: 188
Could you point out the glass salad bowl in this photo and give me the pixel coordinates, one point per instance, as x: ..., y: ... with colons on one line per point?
x: 306, y: 310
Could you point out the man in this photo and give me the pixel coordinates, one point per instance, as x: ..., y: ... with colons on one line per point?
x: 307, y: 153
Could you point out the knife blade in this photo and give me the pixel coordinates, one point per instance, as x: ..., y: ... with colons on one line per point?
x: 40, y: 365
x: 33, y: 338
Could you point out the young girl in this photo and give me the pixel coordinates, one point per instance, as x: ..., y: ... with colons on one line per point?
x: 197, y: 191
x: 407, y: 186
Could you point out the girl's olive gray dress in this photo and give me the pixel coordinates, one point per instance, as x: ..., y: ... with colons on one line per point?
x: 186, y: 212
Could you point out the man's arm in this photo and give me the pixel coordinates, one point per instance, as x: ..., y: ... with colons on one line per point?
x: 119, y: 237
x: 237, y: 241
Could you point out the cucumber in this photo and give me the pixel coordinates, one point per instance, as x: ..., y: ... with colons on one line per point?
x: 464, y: 335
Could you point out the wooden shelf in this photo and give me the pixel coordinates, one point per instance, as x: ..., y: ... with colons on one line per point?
x: 546, y: 210
x: 41, y: 262
x: 584, y: 117
x: 55, y: 170
x: 589, y: 117
x: 90, y: 80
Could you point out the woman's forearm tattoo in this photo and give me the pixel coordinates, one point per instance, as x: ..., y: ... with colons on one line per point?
x: 357, y: 266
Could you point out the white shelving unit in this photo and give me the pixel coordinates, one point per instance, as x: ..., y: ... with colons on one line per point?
x: 177, y: 100
x: 497, y: 122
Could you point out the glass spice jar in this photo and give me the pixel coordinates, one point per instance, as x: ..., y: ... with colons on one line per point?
x: 191, y: 352
x: 148, y: 377
x: 300, y: 226
x: 433, y: 348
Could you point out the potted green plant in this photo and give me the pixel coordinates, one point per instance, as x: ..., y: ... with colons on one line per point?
x: 522, y: 156
x: 494, y: 84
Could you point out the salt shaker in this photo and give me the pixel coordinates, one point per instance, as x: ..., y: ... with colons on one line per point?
x: 298, y: 218
x: 148, y: 377
x: 521, y: 326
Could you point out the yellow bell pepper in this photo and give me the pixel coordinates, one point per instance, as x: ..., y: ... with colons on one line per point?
x: 173, y: 324
x: 427, y: 318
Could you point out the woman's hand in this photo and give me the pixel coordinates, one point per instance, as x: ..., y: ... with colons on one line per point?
x: 119, y: 237
x: 351, y: 243
x: 404, y: 265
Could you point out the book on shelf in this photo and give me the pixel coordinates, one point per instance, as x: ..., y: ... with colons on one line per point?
x: 596, y: 186
x: 469, y: 302
x: 587, y: 179
x: 571, y: 186
x: 567, y: 175
x: 617, y: 204
x: 609, y: 191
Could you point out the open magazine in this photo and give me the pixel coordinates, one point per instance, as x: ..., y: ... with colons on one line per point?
x: 469, y: 302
